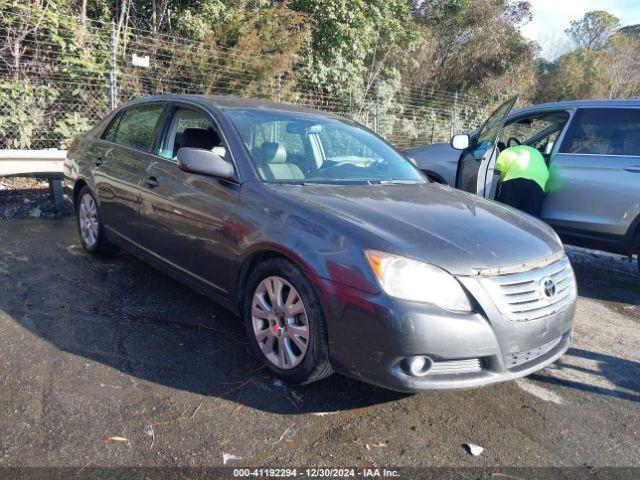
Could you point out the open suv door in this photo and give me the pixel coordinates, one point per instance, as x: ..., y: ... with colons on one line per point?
x: 477, y: 161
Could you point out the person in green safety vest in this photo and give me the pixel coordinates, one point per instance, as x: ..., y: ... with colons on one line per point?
x: 523, y: 178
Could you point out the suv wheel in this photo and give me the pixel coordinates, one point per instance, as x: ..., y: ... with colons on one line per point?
x: 89, y: 224
x: 285, y: 323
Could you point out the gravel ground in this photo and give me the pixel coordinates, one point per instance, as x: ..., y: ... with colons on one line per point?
x: 107, y: 362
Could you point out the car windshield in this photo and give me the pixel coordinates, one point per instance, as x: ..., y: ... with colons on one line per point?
x: 294, y: 147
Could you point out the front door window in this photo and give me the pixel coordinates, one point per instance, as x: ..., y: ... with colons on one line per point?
x: 539, y: 131
x: 191, y: 129
x: 475, y: 164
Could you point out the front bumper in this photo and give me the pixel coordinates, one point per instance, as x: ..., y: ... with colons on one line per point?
x: 371, y: 335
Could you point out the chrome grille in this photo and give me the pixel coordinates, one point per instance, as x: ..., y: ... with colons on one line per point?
x: 521, y: 296
x: 514, y: 360
x: 449, y: 367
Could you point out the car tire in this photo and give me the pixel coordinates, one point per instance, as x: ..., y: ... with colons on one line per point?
x: 276, y: 329
x: 89, y: 223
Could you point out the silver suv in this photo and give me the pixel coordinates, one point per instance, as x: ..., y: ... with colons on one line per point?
x: 593, y: 151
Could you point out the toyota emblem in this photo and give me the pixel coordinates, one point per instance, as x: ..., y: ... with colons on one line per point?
x: 548, y: 288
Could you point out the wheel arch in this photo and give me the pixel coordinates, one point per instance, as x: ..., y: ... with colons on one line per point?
x: 255, y: 258
x: 633, y: 242
x: 78, y: 185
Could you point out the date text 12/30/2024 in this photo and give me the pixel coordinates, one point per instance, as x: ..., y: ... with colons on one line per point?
x: 315, y: 472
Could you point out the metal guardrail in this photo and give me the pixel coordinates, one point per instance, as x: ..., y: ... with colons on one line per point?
x: 32, y: 163
x: 36, y: 163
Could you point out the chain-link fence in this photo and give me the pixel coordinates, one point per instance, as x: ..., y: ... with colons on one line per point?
x: 58, y: 78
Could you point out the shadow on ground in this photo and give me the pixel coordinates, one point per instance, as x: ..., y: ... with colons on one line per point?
x: 123, y: 313
x: 622, y: 376
x: 604, y: 276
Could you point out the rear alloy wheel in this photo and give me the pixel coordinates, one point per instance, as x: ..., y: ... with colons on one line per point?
x: 89, y: 224
x: 285, y: 323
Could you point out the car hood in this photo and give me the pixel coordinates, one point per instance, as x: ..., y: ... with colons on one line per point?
x: 427, y: 154
x: 454, y: 230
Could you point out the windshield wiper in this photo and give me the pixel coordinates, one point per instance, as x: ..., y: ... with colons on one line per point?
x: 340, y: 182
x: 400, y: 182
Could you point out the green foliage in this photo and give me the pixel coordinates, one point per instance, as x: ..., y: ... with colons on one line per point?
x: 200, y: 19
x: 474, y: 46
x: 606, y: 65
x: 352, y: 36
x: 573, y: 76
x: 23, y: 109
x: 342, y: 55
x: 631, y: 31
x: 593, y: 30
x: 70, y: 126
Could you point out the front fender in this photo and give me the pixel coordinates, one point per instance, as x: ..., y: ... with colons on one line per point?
x: 315, y: 241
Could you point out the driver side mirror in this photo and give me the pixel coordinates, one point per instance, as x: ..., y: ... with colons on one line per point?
x: 198, y: 160
x: 460, y: 142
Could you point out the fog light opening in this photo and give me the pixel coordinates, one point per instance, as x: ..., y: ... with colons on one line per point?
x: 418, y: 366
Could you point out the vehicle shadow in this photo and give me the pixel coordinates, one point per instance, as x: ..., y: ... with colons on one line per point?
x: 124, y: 314
x: 595, y: 373
x: 604, y: 276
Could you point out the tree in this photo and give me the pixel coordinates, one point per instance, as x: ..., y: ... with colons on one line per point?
x: 573, y: 76
x: 594, y: 29
x: 631, y: 31
x: 354, y: 42
x: 473, y: 45
x: 622, y: 65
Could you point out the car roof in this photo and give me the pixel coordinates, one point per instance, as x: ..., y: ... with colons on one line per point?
x: 582, y: 104
x: 224, y: 101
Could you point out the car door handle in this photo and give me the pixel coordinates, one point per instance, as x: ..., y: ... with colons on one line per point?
x: 98, y: 161
x: 152, y: 182
x: 633, y: 169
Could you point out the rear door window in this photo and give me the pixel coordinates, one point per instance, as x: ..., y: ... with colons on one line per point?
x: 135, y: 126
x: 604, y: 131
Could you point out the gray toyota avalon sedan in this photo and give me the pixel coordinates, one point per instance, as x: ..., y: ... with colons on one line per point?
x: 338, y: 254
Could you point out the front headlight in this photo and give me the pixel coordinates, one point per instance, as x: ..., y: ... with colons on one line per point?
x: 409, y: 279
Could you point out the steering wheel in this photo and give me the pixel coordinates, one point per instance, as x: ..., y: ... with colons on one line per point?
x: 513, y: 140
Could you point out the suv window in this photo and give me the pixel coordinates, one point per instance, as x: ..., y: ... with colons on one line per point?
x: 539, y: 131
x: 604, y: 131
x: 193, y: 129
x: 134, y: 126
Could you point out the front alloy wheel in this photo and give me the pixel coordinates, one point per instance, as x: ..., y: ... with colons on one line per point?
x: 280, y: 322
x: 285, y: 323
